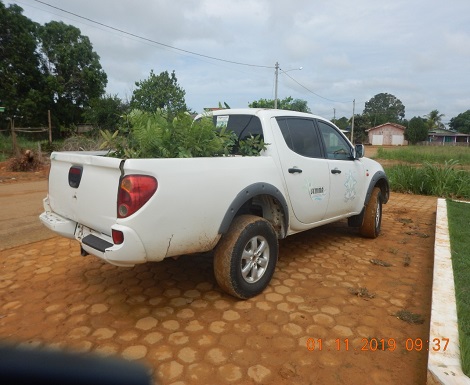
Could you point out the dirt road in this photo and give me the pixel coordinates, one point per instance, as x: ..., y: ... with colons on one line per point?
x: 21, y: 205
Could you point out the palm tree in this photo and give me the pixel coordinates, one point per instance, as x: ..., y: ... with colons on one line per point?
x: 434, y: 120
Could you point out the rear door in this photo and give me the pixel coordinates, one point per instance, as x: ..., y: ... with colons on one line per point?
x: 306, y: 172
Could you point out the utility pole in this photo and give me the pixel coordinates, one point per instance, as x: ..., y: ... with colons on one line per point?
x: 352, y: 123
x: 275, y: 84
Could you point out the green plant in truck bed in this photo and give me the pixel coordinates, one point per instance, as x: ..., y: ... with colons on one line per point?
x: 155, y: 135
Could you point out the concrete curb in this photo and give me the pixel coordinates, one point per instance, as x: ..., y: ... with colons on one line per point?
x: 444, y: 367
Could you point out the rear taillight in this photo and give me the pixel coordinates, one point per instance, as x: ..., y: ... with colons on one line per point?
x: 75, y: 176
x: 134, y: 192
x: 118, y: 237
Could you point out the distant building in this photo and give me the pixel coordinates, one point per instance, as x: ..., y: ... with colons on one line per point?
x: 441, y: 136
x: 387, y: 134
x: 82, y: 128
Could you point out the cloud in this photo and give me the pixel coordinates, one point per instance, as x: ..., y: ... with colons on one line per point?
x: 458, y: 43
x: 417, y: 51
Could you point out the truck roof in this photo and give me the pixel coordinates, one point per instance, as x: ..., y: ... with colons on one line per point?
x: 265, y: 112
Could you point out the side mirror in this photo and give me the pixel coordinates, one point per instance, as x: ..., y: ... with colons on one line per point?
x: 360, y: 150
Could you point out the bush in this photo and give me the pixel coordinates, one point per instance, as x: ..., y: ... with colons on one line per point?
x: 432, y: 179
x: 81, y: 143
x: 154, y: 135
x: 421, y: 154
x: 49, y: 147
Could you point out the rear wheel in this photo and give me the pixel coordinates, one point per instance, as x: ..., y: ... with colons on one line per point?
x: 246, y: 257
x: 370, y: 227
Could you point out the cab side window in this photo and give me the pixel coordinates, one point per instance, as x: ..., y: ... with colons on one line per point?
x: 300, y: 136
x: 336, y: 146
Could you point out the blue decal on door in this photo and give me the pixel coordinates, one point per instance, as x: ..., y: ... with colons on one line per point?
x: 350, y: 184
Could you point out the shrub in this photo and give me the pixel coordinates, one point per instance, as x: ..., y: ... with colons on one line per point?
x: 49, y: 147
x: 421, y: 154
x: 431, y: 179
x: 154, y: 135
x: 81, y: 143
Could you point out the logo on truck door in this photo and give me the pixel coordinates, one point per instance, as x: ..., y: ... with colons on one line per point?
x: 316, y: 190
x: 316, y: 193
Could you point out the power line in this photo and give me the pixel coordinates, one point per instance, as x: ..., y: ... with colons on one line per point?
x: 151, y: 40
x: 145, y: 39
x: 314, y: 93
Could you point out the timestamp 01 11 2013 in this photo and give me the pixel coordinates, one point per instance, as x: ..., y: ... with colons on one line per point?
x: 379, y: 344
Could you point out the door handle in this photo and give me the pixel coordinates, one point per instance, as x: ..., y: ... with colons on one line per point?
x: 295, y: 170
x: 336, y: 171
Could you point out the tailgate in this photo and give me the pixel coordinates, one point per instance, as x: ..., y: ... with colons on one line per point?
x: 91, y: 203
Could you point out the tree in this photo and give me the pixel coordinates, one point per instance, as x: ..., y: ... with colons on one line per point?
x: 384, y: 108
x: 287, y: 103
x: 417, y: 130
x: 105, y: 112
x: 434, y: 120
x: 262, y: 103
x: 159, y: 92
x: 21, y: 82
x: 342, y: 123
x: 461, y: 122
x: 73, y: 72
x: 361, y: 124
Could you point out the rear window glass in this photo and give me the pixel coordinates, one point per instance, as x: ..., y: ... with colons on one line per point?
x: 242, y: 125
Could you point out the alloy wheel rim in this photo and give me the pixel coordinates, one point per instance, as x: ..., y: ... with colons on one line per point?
x: 378, y: 215
x: 255, y: 259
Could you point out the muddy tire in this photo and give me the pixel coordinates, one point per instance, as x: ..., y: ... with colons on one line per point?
x: 372, y: 215
x: 246, y: 256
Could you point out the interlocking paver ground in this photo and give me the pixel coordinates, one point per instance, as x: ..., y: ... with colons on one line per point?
x: 173, y: 317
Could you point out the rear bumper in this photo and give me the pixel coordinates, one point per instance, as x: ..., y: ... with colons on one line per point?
x: 59, y: 225
x: 129, y: 253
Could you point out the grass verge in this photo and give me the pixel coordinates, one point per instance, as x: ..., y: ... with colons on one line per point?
x: 459, y: 223
x: 443, y: 180
x: 422, y: 154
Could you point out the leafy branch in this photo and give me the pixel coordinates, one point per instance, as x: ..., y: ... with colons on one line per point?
x: 156, y: 135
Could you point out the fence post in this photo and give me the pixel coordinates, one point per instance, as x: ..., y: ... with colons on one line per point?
x: 50, y: 126
x: 16, y: 151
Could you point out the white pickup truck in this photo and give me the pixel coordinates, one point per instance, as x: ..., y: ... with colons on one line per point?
x: 130, y: 211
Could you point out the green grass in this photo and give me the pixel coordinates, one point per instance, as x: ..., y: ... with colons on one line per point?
x: 446, y: 180
x: 459, y: 223
x: 6, y: 146
x: 429, y: 170
x: 24, y: 141
x: 422, y: 154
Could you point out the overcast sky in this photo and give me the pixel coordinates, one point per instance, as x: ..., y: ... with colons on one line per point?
x: 417, y: 50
